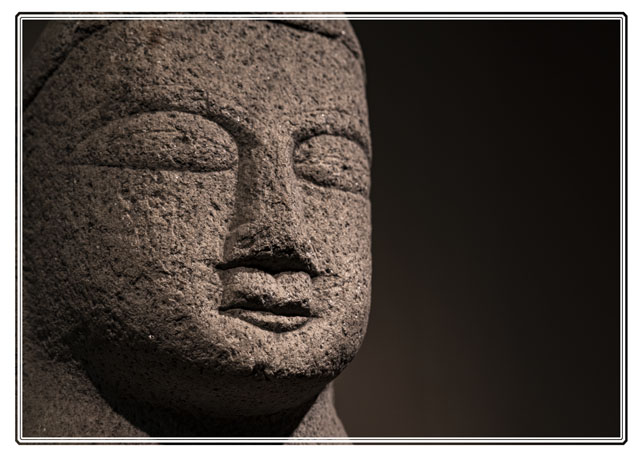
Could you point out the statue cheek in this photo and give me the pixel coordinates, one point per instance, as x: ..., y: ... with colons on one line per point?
x: 340, y: 230
x: 143, y: 244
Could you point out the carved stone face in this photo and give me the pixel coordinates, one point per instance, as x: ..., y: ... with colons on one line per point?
x: 205, y: 191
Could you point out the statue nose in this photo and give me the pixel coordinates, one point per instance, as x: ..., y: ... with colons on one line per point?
x: 268, y: 231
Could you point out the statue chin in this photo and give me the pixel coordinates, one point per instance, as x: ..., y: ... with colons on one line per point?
x: 224, y: 386
x: 197, y: 227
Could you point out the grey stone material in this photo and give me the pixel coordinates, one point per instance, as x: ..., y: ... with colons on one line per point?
x: 196, y: 227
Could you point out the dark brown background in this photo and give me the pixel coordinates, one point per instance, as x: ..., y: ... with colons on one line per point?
x: 496, y: 230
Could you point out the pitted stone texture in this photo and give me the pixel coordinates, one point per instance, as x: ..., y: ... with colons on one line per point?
x: 197, y: 226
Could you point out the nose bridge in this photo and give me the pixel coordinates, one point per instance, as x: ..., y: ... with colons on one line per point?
x: 266, y: 194
x: 268, y: 229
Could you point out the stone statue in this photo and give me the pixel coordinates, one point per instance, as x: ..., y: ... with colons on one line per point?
x: 196, y: 230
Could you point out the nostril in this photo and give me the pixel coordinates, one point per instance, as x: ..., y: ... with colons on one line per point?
x: 268, y: 248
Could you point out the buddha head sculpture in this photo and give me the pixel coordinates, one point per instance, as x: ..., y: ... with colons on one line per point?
x: 196, y: 226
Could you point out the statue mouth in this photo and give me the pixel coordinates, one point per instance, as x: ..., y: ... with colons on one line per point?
x: 277, y: 303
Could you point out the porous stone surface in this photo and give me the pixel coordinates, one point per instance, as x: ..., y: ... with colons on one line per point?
x: 196, y: 227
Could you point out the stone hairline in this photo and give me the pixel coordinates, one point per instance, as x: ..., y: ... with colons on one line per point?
x: 36, y: 75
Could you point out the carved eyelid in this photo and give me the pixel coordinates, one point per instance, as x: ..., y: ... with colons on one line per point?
x: 346, y: 134
x: 333, y: 161
x: 334, y: 122
x: 159, y: 140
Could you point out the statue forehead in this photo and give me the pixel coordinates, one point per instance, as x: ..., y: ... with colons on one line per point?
x: 260, y: 69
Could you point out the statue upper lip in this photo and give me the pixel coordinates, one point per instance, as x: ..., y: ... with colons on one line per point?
x: 272, y: 264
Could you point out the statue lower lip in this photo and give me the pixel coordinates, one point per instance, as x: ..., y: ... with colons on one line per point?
x: 267, y: 320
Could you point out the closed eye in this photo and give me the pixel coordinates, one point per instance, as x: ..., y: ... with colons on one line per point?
x: 163, y: 140
x: 333, y: 161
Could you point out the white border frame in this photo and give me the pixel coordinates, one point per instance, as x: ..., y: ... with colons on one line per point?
x: 21, y: 17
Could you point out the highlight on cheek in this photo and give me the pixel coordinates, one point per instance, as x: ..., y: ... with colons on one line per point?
x: 333, y: 161
x: 171, y: 140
